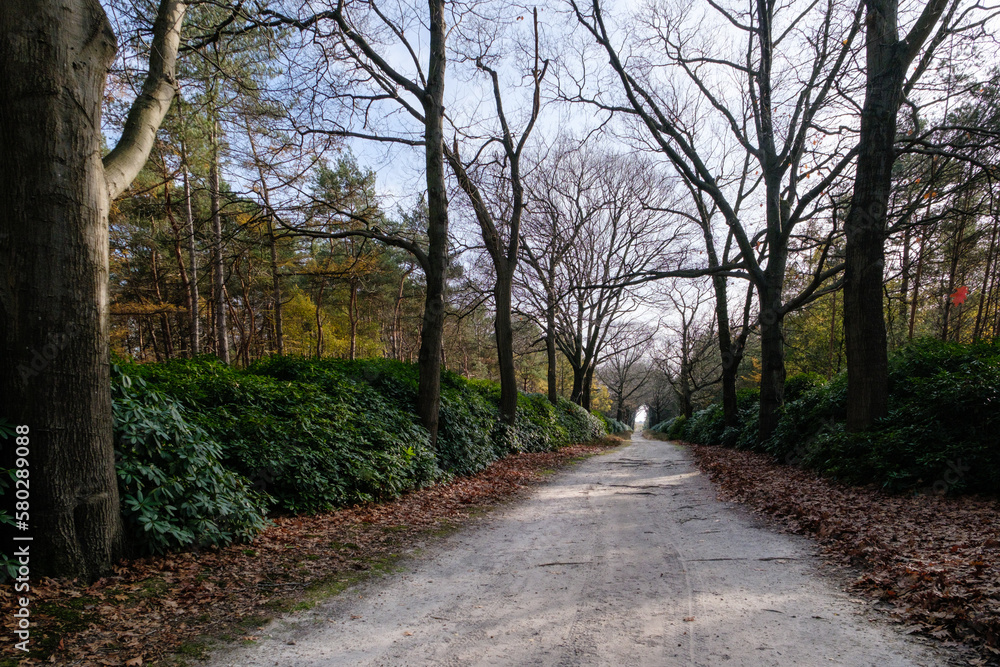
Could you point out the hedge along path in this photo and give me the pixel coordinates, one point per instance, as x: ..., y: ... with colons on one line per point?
x: 625, y: 559
x: 157, y: 610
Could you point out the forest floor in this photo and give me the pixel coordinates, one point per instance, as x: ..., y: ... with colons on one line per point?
x: 170, y: 609
x: 933, y: 562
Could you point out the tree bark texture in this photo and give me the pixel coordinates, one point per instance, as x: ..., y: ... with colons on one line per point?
x: 504, y: 331
x: 55, y: 195
x: 193, y: 259
x: 550, y: 345
x: 772, y: 349
x: 54, y: 58
x: 864, y: 323
x: 279, y: 334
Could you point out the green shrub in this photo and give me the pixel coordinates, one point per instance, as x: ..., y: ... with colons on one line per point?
x: 318, y: 434
x: 468, y: 436
x: 580, y: 425
x: 802, y: 420
x: 940, y: 434
x: 674, y: 428
x: 706, y: 427
x: 799, y: 384
x: 612, y: 425
x: 678, y: 427
x: 312, y: 436
x: 174, y: 489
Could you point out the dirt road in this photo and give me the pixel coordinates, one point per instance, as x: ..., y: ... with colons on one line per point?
x: 625, y: 559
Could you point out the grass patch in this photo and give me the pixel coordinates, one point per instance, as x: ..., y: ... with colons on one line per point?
x: 350, y: 546
x: 197, y: 649
x: 395, y: 529
x: 444, y: 528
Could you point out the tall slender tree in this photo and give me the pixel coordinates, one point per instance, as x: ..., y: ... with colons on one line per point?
x: 499, y: 213
x: 418, y: 91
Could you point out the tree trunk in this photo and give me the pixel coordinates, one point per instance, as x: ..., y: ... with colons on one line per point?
x: 916, y: 286
x: 683, y: 389
x: 864, y: 324
x: 588, y: 383
x: 352, y: 315
x: 684, y: 396
x: 279, y: 336
x: 904, y: 288
x: 956, y: 254
x: 193, y: 260
x: 54, y: 366
x: 887, y: 60
x: 319, y: 319
x: 221, y: 331
x: 164, y: 322
x: 550, y: 346
x: 730, y: 357
x: 576, y: 395
x: 504, y: 332
x: 730, y: 361
x: 178, y: 255
x: 432, y: 330
x: 982, y: 311
x: 397, y: 323
x: 772, y: 349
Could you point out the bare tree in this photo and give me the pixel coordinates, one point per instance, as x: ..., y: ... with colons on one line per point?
x: 773, y: 119
x: 625, y: 232
x: 557, y: 211
x: 686, y: 355
x: 493, y: 184
x: 627, y: 367
x: 659, y: 397
x: 366, y: 35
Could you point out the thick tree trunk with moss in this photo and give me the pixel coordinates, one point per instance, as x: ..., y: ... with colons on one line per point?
x: 54, y: 200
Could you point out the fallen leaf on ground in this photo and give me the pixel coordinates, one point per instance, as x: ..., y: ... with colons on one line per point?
x: 934, y: 559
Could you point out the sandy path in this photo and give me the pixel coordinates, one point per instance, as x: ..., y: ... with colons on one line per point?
x: 625, y: 559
